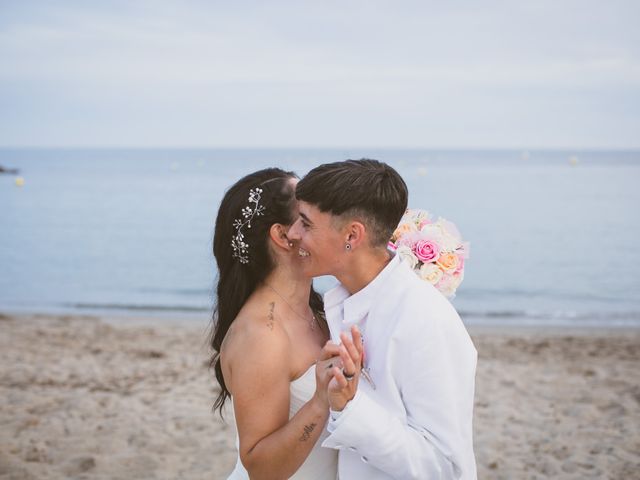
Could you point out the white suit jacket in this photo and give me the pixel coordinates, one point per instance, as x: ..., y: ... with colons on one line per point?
x: 417, y: 422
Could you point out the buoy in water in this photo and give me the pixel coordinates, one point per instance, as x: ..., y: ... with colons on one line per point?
x: 19, y: 182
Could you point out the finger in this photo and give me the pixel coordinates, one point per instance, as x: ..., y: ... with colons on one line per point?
x: 333, y: 386
x: 357, y: 339
x: 341, y: 382
x: 351, y: 348
x: 348, y: 365
x: 331, y: 362
x: 327, y: 374
x: 329, y: 350
x: 324, y: 379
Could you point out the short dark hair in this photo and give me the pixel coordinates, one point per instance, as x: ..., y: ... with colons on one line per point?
x: 367, y: 189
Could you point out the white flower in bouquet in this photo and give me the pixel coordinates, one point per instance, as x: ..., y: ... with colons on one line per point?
x: 431, y: 273
x: 407, y: 255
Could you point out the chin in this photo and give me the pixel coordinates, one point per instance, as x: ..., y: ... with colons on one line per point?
x: 309, y: 269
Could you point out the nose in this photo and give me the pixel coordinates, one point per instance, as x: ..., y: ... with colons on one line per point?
x: 294, y: 231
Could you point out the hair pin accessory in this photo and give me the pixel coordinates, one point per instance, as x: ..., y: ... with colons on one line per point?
x: 253, y: 209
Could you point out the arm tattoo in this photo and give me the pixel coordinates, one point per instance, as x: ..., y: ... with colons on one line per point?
x: 307, y: 432
x: 270, y: 316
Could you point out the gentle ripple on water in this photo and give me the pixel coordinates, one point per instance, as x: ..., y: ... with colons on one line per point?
x: 131, y: 230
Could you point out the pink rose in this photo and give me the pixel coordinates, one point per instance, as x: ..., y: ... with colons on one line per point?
x: 426, y: 250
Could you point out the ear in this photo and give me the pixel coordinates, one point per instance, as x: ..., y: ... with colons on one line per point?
x: 356, y: 234
x: 278, y: 234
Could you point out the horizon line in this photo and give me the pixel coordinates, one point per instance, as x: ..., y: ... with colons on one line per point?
x: 339, y: 147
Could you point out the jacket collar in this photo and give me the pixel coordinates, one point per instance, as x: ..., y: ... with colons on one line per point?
x: 357, y: 306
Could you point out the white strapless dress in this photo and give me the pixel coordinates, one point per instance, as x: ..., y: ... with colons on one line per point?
x: 322, y: 463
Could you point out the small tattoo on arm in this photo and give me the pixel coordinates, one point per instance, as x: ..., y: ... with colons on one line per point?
x: 307, y: 432
x: 270, y: 316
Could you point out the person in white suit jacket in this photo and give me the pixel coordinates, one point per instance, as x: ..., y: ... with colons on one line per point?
x: 402, y: 391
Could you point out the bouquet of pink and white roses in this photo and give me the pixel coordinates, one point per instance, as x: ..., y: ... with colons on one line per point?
x: 434, y: 249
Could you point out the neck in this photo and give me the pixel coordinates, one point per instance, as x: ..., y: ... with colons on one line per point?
x: 293, y: 288
x: 364, y: 267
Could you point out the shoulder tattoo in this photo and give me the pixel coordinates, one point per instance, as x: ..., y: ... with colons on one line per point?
x: 270, y: 316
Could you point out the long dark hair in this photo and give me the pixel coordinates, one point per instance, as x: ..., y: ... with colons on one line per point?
x: 238, y: 280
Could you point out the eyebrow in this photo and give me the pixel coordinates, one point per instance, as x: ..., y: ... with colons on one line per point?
x: 305, y: 218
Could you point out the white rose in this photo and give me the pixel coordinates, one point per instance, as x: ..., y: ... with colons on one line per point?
x: 448, y: 285
x: 406, y: 255
x: 431, y: 273
x: 450, y: 243
x: 450, y: 228
x: 434, y: 232
x: 446, y: 234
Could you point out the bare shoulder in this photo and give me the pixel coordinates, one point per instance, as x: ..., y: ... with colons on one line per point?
x: 255, y: 337
x: 256, y: 326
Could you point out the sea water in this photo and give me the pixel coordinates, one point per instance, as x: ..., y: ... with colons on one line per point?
x: 553, y: 233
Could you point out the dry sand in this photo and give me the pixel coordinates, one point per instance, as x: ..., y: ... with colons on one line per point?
x: 83, y: 398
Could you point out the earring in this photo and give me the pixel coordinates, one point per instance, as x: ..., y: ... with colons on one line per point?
x: 291, y: 244
x: 348, y: 246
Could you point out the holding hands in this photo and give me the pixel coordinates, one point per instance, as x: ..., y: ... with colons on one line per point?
x: 338, y: 369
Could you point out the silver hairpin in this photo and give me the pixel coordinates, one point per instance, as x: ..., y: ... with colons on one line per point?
x: 240, y: 247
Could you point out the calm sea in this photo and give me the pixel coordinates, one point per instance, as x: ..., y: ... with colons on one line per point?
x: 553, y: 233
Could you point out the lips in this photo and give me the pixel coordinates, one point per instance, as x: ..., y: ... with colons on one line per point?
x: 303, y: 253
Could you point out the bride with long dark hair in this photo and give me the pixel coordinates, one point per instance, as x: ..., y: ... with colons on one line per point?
x: 268, y: 333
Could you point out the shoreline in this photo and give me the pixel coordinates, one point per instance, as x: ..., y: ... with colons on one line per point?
x: 106, y: 397
x: 551, y: 330
x: 203, y: 318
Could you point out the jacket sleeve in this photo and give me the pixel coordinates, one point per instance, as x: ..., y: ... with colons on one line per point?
x: 432, y: 438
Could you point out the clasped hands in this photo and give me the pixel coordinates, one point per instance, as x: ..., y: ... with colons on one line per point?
x: 338, y: 368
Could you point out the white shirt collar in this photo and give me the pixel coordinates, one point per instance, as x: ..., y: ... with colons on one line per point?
x: 357, y: 306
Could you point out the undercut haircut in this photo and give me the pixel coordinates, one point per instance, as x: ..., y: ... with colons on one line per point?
x: 367, y: 190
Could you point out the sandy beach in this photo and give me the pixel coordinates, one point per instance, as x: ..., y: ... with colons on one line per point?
x: 84, y: 397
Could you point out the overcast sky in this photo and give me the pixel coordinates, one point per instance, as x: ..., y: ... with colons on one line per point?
x: 476, y: 74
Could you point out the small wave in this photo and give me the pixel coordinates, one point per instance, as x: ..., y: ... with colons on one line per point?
x: 558, y: 317
x: 176, y: 291
x: 506, y: 316
x: 137, y: 307
x: 564, y: 295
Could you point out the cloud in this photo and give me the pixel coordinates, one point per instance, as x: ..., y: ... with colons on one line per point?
x: 135, y: 72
